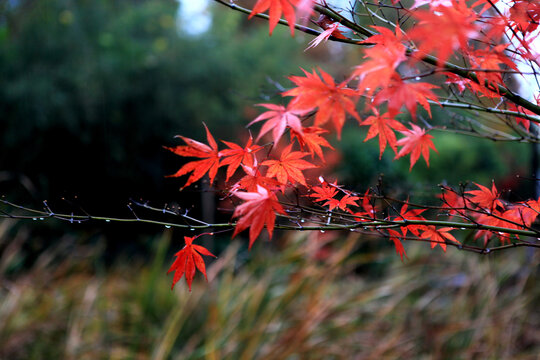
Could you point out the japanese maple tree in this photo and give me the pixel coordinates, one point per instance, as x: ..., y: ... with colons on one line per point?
x: 414, y: 56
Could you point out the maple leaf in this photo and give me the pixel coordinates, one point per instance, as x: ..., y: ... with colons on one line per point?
x: 525, y: 15
x: 235, y: 155
x: 525, y: 213
x: 496, y: 218
x: 383, y: 59
x: 289, y: 167
x: 394, y: 236
x: 492, y: 59
x: 187, y: 260
x: 253, y: 179
x: 452, y: 201
x: 485, y: 198
x: 412, y: 214
x: 472, y: 86
x: 438, y: 236
x: 399, y: 93
x: 277, y: 119
x: 199, y: 168
x: 276, y: 8
x: 453, y: 26
x: 382, y: 126
x: 258, y: 210
x: 415, y: 142
x: 312, y: 139
x: 324, y: 192
x: 343, y: 203
x: 330, y: 30
x: 333, y: 100
x: 369, y: 210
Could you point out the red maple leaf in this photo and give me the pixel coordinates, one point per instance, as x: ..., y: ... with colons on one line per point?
x: 444, y: 29
x: 343, y: 203
x: 415, y: 142
x: 312, y: 139
x: 525, y: 213
x: 412, y: 214
x: 497, y: 218
x: 394, y: 236
x: 485, y: 198
x: 324, y: 192
x: 258, y: 210
x: 289, y: 167
x: 383, y: 59
x: 438, y: 236
x: 382, y: 126
x: 490, y: 61
x: 276, y: 8
x: 199, y: 168
x: 330, y: 30
x: 187, y: 260
x: 253, y: 179
x: 399, y: 93
x: 236, y: 155
x: 277, y: 119
x: 453, y: 202
x: 333, y: 100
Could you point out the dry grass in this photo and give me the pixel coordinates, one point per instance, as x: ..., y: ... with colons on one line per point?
x: 277, y: 305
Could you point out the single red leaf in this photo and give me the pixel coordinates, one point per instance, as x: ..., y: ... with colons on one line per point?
x: 438, y: 236
x: 277, y: 119
x: 453, y: 202
x: 383, y: 126
x: 395, y: 236
x: 312, y: 140
x: 235, y: 155
x: 289, y: 167
x: 333, y: 100
x: 485, y: 198
x: 198, y: 168
x: 253, y: 179
x: 187, y: 260
x: 258, y: 210
x: 444, y: 29
x: 276, y: 8
x: 415, y: 142
x: 383, y: 59
x: 398, y: 93
x: 411, y: 214
x: 330, y: 30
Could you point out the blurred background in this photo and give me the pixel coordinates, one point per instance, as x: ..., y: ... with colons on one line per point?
x: 91, y: 91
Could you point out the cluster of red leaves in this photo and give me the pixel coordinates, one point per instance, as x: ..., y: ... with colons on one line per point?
x: 316, y: 99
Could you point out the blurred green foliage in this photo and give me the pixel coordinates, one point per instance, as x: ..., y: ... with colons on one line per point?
x: 91, y: 90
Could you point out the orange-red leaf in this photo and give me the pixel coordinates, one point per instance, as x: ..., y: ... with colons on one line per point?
x: 276, y: 8
x: 258, y: 210
x: 438, y: 236
x: 235, y: 155
x: 398, y: 93
x: 289, y: 167
x: 312, y: 139
x: 415, y: 142
x: 277, y: 119
x: 253, y: 179
x: 383, y: 126
x: 187, y: 260
x: 485, y: 198
x: 444, y: 29
x: 198, y: 168
x: 394, y: 236
x: 333, y: 100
